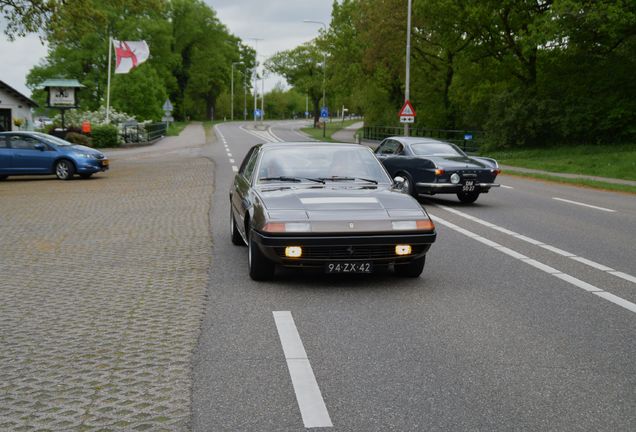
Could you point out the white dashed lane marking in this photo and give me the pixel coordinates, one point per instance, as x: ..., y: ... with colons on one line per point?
x: 539, y: 265
x: 585, y: 205
x: 310, y: 402
x: 551, y: 248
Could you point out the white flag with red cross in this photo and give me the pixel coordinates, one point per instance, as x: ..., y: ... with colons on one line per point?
x: 130, y: 54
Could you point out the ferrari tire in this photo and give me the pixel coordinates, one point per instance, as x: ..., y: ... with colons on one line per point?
x: 468, y: 197
x: 236, y: 235
x: 261, y: 268
x: 64, y: 169
x: 412, y: 269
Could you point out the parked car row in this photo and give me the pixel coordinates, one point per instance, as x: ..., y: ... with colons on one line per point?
x: 35, y: 153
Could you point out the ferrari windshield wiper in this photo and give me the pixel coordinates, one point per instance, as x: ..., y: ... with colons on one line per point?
x: 291, y: 179
x: 341, y: 178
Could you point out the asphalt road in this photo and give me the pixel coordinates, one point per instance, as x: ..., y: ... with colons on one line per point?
x: 524, y: 319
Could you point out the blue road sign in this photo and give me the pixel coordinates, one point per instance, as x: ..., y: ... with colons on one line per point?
x: 468, y: 137
x: 258, y: 113
x: 306, y: 113
x: 324, y: 112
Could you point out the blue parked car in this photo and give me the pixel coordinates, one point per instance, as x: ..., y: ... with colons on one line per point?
x: 29, y: 153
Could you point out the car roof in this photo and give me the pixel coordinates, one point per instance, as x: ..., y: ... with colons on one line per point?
x: 303, y: 144
x: 417, y: 140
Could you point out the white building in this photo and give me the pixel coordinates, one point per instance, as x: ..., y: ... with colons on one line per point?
x: 15, y: 106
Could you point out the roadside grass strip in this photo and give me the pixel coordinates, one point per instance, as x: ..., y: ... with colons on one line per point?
x: 539, y: 265
x: 545, y: 246
x: 310, y: 402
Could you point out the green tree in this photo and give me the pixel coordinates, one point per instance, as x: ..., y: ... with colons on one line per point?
x: 302, y: 68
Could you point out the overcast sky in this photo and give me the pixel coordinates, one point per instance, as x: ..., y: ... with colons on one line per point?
x: 278, y: 22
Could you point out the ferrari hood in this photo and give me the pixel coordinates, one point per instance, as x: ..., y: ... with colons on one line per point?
x: 317, y: 199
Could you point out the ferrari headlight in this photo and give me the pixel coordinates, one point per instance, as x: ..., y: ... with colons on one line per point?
x: 288, y: 227
x: 293, y: 251
x: 414, y: 225
x: 454, y: 178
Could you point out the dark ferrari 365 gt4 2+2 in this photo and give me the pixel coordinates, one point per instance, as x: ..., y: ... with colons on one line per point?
x: 326, y: 206
x: 436, y: 167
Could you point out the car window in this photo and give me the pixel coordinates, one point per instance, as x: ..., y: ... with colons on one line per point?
x: 320, y: 162
x: 23, y: 142
x: 389, y: 147
x: 249, y: 166
x: 436, y: 149
x: 3, y: 142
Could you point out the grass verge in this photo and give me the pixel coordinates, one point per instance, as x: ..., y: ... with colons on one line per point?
x: 615, y: 161
x: 175, y: 128
x: 332, y: 128
x: 577, y: 182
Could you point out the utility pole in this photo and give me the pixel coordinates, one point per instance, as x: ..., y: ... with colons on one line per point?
x: 255, y: 73
x: 232, y: 93
x: 408, y: 63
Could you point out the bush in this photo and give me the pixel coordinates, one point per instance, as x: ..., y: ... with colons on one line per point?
x: 105, y: 136
x: 77, y: 138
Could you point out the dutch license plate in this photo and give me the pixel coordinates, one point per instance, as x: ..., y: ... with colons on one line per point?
x: 469, y: 186
x: 105, y: 162
x: 352, y: 267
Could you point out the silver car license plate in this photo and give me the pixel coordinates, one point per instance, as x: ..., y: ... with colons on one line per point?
x: 349, y: 267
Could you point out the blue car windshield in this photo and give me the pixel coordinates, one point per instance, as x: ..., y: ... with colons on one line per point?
x: 436, y: 149
x: 50, y: 139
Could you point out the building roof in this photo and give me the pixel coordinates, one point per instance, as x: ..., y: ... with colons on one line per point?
x: 6, y: 87
x: 60, y: 82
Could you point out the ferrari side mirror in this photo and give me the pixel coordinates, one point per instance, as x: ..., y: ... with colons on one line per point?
x: 399, y: 183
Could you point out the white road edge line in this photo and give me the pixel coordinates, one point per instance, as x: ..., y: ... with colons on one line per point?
x: 585, y: 205
x: 232, y: 161
x: 543, y: 267
x: 310, y: 402
x: 234, y: 168
x: 506, y: 187
x: 556, y: 250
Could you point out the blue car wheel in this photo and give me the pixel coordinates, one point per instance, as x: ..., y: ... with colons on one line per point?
x: 64, y: 169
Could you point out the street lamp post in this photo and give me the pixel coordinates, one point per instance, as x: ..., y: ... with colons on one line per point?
x: 408, y: 63
x: 254, y: 72
x: 232, y: 93
x: 245, y: 95
x: 324, y: 71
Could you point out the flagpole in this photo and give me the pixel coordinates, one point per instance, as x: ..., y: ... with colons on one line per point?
x: 110, y: 49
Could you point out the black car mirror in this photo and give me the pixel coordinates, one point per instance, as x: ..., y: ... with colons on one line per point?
x: 39, y: 146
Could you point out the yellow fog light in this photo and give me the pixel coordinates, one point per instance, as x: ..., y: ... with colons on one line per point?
x: 293, y: 251
x: 403, y: 249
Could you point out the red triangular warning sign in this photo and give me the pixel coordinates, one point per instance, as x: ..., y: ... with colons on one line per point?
x: 407, y: 110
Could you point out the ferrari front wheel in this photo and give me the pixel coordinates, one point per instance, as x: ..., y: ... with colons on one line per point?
x: 468, y: 197
x: 260, y: 267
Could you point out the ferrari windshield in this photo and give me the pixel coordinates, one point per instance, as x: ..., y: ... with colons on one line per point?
x: 321, y: 163
x: 436, y: 149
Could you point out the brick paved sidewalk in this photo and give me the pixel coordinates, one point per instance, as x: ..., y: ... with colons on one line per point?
x: 102, y: 290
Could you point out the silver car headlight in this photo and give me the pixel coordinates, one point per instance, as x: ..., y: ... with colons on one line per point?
x: 454, y: 178
x: 86, y: 156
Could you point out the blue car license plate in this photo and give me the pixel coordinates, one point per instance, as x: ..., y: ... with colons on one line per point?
x: 349, y: 267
